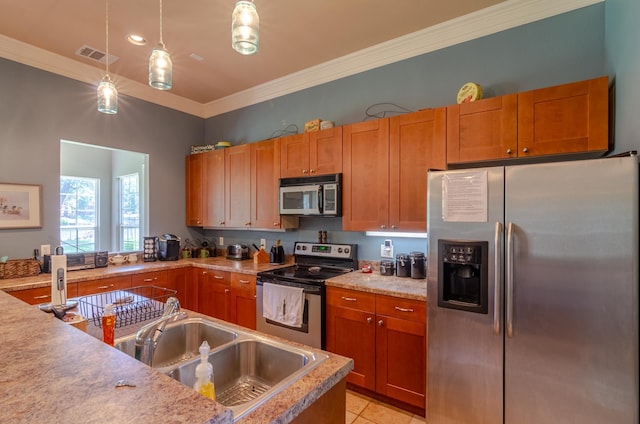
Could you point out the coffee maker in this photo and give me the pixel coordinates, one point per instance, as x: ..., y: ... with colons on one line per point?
x: 168, y: 247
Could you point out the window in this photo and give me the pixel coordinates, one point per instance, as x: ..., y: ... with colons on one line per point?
x: 129, y: 220
x: 78, y: 213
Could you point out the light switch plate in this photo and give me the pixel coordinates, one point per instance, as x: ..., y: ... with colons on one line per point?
x: 263, y: 242
x: 221, y: 241
x: 45, y: 249
x: 386, y: 249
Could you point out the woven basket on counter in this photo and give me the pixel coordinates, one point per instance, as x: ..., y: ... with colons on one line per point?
x: 16, y: 268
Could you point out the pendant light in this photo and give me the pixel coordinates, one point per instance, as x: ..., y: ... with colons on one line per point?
x: 160, y: 66
x: 244, y: 27
x: 107, y: 93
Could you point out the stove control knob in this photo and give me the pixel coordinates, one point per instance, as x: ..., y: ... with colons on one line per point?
x: 304, y: 247
x: 346, y: 250
x: 298, y: 247
x: 339, y: 249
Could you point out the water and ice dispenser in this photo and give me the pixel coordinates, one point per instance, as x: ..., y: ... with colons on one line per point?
x: 463, y: 275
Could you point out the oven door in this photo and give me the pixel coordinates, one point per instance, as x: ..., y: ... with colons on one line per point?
x: 301, y: 200
x: 312, y: 331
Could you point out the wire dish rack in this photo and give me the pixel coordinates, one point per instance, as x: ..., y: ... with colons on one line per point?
x: 131, y: 306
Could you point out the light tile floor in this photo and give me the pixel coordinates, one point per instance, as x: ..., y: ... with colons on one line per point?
x: 364, y: 410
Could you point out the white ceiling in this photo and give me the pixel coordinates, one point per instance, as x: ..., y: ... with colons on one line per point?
x: 301, y: 43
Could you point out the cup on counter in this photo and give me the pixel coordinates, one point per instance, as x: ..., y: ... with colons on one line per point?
x: 186, y: 253
x: 204, y: 253
x: 132, y: 258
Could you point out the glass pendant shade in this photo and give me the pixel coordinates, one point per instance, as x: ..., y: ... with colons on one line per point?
x: 245, y: 26
x: 107, y: 96
x: 160, y: 68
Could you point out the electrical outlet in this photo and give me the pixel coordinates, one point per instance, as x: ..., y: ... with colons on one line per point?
x: 263, y: 242
x: 386, y: 249
x: 45, y: 249
x: 221, y: 241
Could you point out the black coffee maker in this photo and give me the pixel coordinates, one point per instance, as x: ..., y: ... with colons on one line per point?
x: 168, y: 247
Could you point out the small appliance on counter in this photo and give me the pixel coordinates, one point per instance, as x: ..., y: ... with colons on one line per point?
x: 168, y: 247
x: 150, y: 249
x: 78, y: 261
x: 237, y: 252
x: 387, y: 268
x: 276, y: 255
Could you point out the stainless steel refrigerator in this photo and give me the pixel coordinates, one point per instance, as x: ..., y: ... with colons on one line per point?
x: 532, y: 291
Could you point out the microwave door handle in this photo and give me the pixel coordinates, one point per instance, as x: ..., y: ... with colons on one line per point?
x: 320, y: 200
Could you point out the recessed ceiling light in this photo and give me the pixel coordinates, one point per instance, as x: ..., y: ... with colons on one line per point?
x: 136, y: 40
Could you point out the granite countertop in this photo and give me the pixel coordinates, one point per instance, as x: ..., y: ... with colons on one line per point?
x: 218, y: 262
x: 408, y: 288
x: 53, y: 371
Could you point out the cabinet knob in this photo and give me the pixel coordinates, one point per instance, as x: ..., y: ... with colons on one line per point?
x: 393, y: 227
x: 226, y: 290
x: 304, y: 171
x: 525, y: 150
x: 369, y: 320
x: 221, y: 223
x: 247, y: 224
x: 383, y: 226
x: 276, y: 224
x: 509, y: 151
x: 380, y: 323
x: 312, y: 171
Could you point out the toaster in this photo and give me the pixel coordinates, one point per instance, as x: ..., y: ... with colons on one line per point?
x: 237, y: 252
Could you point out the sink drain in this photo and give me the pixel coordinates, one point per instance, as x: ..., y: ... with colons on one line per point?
x: 241, y: 393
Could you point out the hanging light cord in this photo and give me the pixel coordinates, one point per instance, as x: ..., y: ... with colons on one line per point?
x: 107, y: 35
x: 161, y: 43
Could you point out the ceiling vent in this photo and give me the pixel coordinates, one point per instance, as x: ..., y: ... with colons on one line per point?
x: 95, y: 54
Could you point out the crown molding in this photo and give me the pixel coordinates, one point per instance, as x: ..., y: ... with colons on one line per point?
x: 502, y: 16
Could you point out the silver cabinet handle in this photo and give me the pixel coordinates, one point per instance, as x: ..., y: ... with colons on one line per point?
x: 398, y: 308
x: 44, y: 296
x: 218, y: 277
x: 497, y: 281
x: 148, y: 280
x: 509, y: 276
x: 244, y: 281
x: 369, y: 320
x: 105, y: 287
x: 349, y: 299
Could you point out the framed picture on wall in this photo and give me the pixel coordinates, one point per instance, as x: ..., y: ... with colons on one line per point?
x: 20, y: 206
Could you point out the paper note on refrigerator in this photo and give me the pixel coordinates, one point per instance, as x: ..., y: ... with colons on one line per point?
x: 464, y: 197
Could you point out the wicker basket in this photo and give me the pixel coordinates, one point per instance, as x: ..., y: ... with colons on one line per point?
x: 16, y: 268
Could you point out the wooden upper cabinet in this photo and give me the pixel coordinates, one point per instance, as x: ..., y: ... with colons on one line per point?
x: 482, y: 130
x: 312, y: 153
x: 238, y: 186
x: 567, y: 118
x: 325, y: 151
x: 365, y: 188
x: 417, y: 143
x: 214, y: 196
x: 265, y: 172
x: 194, y: 170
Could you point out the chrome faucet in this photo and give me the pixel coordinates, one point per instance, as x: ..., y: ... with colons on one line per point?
x: 148, y: 336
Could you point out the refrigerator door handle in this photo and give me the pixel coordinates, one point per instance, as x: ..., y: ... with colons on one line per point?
x: 497, y: 280
x: 509, y: 277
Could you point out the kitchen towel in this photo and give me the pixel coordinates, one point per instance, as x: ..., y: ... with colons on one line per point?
x: 283, y: 304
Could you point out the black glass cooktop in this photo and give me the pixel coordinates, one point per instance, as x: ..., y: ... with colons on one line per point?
x: 305, y: 273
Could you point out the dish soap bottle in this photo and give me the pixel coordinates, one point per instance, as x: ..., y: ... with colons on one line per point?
x: 204, y: 373
x: 108, y: 325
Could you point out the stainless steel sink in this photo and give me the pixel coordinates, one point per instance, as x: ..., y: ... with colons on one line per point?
x: 248, y: 368
x: 180, y: 341
x: 250, y: 371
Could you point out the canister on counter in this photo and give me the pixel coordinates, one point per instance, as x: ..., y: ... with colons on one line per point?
x: 403, y: 265
x: 418, y: 265
x: 387, y: 267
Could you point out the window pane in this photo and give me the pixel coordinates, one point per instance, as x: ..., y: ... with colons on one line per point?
x: 129, y: 212
x: 78, y: 213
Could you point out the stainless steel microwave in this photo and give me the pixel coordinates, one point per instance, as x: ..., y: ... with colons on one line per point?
x: 319, y: 195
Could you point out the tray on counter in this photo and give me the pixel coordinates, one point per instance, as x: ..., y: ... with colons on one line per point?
x: 131, y: 306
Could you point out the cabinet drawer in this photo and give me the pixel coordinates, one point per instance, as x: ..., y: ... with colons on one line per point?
x: 104, y: 285
x: 33, y: 296
x: 243, y: 281
x: 218, y: 276
x: 155, y: 278
x: 352, y: 299
x: 398, y: 307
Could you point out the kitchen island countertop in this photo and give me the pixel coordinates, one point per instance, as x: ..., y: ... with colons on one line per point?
x: 53, y: 372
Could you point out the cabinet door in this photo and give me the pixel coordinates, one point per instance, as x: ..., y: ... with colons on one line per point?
x: 104, y: 285
x: 564, y: 119
x: 243, y: 300
x: 294, y: 155
x: 401, y: 349
x: 194, y: 166
x: 238, y: 186
x: 178, y: 279
x: 482, y: 130
x: 325, y: 151
x: 213, y: 293
x: 417, y: 142
x: 365, y: 176
x: 265, y: 172
x: 214, y: 188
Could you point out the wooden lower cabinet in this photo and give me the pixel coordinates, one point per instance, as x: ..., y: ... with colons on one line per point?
x: 243, y: 300
x: 385, y: 336
x: 103, y: 285
x: 214, y: 289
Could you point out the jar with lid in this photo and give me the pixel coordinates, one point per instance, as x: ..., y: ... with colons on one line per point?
x: 403, y: 265
x: 418, y: 265
x: 387, y: 267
